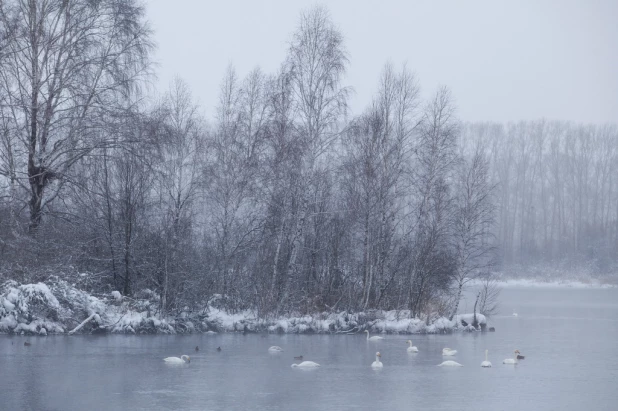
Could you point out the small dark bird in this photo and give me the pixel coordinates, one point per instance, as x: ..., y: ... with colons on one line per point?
x: 27, y: 344
x: 197, y: 348
x: 218, y: 348
x: 520, y: 357
x: 492, y: 329
x: 300, y: 357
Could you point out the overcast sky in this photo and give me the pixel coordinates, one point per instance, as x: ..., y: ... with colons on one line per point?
x: 503, y: 60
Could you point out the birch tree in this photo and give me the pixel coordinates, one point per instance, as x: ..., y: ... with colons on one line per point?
x: 473, y: 222
x: 317, y: 62
x: 61, y: 75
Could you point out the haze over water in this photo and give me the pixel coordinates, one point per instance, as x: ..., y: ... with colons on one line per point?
x: 567, y: 335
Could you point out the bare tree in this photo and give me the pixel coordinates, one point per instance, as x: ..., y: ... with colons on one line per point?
x: 181, y: 148
x: 378, y: 148
x: 61, y: 77
x: 473, y: 222
x: 488, y: 297
x: 435, y: 160
x: 317, y: 62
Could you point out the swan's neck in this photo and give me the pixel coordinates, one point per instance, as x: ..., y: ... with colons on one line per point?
x: 410, y: 343
x: 367, y: 334
x: 485, y: 355
x: 377, y: 359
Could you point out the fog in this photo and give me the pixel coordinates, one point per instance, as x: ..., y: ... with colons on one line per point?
x: 359, y: 204
x: 504, y: 62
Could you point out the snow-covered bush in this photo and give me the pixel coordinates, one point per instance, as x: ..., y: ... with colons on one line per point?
x: 28, y: 308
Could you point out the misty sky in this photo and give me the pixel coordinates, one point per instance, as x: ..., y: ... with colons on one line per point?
x: 503, y: 60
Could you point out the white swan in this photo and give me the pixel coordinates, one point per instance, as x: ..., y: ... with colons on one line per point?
x: 306, y: 364
x: 486, y: 363
x: 514, y: 314
x: 448, y: 351
x: 377, y: 363
x: 175, y: 360
x: 374, y: 338
x: 511, y: 360
x: 275, y: 348
x: 411, y: 348
x: 450, y: 364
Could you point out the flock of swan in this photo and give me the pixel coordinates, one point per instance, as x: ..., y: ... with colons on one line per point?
x: 447, y: 352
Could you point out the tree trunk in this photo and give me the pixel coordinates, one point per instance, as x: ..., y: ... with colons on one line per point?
x: 457, y: 300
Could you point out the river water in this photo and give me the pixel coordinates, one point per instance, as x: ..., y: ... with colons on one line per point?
x: 567, y: 335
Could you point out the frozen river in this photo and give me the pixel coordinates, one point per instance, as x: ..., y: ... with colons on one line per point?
x: 568, y: 336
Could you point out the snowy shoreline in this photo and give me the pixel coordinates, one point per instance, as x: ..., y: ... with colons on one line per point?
x: 536, y: 283
x: 57, y: 307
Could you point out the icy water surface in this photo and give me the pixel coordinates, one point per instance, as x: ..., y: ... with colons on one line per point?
x: 568, y: 336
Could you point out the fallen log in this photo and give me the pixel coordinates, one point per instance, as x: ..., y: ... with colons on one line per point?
x: 74, y: 330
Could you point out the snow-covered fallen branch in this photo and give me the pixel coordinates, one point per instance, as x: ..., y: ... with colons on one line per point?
x: 74, y: 330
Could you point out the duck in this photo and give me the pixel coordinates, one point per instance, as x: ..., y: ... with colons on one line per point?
x: 520, y: 357
x: 486, y: 363
x: 175, y: 360
x: 306, y: 364
x: 377, y: 363
x: 300, y: 357
x: 275, y: 348
x: 411, y: 348
x: 218, y: 348
x: 511, y: 360
x: 374, y: 338
x: 448, y: 351
x: 27, y: 344
x: 450, y: 363
x: 197, y: 348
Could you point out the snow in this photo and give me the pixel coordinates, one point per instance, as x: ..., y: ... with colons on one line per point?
x: 469, y: 318
x: 116, y: 295
x: 537, y: 283
x: 58, y: 307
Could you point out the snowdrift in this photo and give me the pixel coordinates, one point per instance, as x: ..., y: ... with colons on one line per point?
x: 58, y: 307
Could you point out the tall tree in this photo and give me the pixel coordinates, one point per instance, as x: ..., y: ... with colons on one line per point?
x: 317, y: 62
x: 63, y: 71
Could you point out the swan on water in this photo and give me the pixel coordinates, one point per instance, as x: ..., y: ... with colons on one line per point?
x: 411, y: 348
x: 175, y: 360
x: 486, y: 363
x: 377, y: 363
x: 450, y: 363
x: 511, y: 360
x: 514, y: 314
x: 448, y: 351
x: 374, y: 338
x: 275, y: 348
x: 306, y: 364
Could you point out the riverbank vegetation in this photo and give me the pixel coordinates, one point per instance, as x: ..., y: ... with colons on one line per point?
x: 283, y: 203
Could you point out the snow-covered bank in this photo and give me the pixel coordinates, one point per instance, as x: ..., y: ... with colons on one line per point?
x: 58, y: 307
x: 536, y: 283
x: 548, y: 276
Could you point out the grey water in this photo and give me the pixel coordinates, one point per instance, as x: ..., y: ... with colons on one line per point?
x: 567, y: 335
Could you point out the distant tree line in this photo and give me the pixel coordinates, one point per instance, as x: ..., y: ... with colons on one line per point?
x: 556, y: 191
x: 281, y: 202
